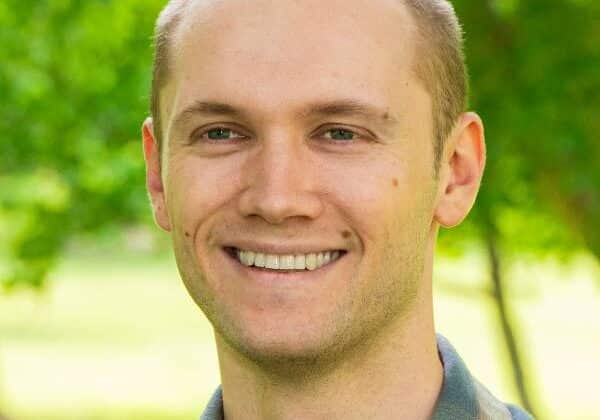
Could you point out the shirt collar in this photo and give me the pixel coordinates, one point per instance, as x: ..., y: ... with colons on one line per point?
x: 458, y: 398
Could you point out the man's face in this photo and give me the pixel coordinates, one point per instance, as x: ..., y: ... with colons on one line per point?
x: 297, y: 128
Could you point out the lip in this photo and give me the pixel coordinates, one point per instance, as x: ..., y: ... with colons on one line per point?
x: 267, y: 275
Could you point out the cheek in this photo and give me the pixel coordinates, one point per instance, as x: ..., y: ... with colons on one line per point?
x: 371, y: 191
x: 385, y: 199
x: 197, y: 188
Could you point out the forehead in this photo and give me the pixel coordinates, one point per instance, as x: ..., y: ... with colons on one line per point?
x: 275, y: 53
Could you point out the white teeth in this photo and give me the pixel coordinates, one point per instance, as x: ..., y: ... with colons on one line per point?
x: 246, y: 257
x: 259, y: 259
x: 300, y: 262
x: 310, y: 261
x: 287, y: 262
x: 250, y: 257
x: 272, y: 262
x: 242, y: 257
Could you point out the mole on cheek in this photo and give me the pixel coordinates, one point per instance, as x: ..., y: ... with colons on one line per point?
x: 394, y: 182
x: 187, y: 234
x: 346, y: 234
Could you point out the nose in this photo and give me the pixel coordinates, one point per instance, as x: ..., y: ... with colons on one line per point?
x: 281, y: 183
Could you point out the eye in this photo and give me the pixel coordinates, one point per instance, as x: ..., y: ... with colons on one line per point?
x: 340, y: 134
x: 221, y: 133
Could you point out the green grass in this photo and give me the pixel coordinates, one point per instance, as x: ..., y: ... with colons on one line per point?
x: 110, y: 338
x: 117, y: 337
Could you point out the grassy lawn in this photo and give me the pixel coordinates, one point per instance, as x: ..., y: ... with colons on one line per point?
x: 117, y: 337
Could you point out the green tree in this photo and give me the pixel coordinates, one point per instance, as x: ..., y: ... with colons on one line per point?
x: 74, y: 78
x: 536, y: 82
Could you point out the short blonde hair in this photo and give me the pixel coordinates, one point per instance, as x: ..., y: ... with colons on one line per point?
x: 439, y: 62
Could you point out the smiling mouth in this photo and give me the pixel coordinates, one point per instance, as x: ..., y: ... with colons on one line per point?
x: 285, y: 262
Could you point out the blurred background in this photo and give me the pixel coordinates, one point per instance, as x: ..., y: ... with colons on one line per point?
x: 94, y: 321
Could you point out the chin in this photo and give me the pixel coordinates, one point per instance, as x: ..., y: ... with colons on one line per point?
x: 283, y: 347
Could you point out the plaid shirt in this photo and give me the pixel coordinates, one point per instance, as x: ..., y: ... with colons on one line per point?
x: 462, y: 397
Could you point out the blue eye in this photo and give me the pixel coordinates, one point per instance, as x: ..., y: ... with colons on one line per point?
x: 340, y: 134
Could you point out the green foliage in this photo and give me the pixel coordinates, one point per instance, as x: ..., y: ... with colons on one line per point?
x: 535, y: 69
x: 75, y: 78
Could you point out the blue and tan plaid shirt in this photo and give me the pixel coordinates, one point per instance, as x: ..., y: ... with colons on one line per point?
x: 462, y: 397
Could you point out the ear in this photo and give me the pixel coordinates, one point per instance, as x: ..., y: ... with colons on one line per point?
x: 154, y: 182
x: 461, y: 170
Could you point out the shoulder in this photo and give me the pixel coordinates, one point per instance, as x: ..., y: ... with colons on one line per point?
x: 518, y: 414
x: 491, y: 408
x: 214, y: 408
x: 464, y: 397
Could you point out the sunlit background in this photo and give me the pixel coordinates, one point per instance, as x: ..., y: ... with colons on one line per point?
x: 94, y: 320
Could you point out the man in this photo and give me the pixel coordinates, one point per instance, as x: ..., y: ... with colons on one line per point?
x: 303, y: 154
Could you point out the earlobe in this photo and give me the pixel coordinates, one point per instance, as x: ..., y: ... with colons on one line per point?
x: 465, y: 161
x: 154, y: 182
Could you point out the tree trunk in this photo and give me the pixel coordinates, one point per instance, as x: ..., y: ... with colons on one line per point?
x: 505, y: 323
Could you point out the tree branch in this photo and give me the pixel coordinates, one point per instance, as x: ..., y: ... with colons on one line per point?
x: 507, y: 328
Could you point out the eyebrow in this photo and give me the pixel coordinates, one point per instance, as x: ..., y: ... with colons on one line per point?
x: 206, y: 108
x: 348, y: 107
x: 330, y: 108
